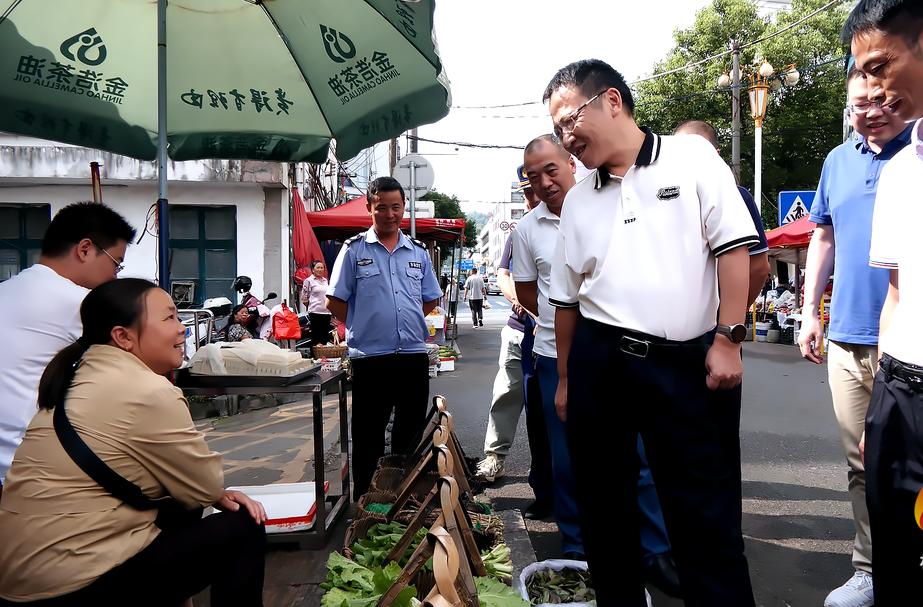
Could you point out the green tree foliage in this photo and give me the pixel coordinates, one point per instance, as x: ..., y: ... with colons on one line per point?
x: 448, y: 207
x: 803, y: 122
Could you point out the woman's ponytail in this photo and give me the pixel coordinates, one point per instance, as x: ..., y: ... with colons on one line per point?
x: 58, y: 375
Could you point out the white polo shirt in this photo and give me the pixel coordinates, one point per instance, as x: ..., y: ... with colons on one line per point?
x: 41, y: 312
x: 533, y: 250
x: 639, y: 252
x: 896, y: 244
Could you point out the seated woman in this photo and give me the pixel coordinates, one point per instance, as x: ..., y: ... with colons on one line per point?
x: 68, y: 541
x: 237, y: 327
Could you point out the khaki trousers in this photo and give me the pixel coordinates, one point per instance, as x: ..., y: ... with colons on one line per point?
x: 851, y: 370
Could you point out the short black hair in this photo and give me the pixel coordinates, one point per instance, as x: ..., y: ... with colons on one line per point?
x: 82, y: 220
x: 699, y: 127
x: 384, y: 184
x: 852, y: 74
x: 903, y: 18
x: 591, y: 76
x: 550, y: 140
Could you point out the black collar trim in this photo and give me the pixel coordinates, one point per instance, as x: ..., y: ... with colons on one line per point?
x: 647, y: 155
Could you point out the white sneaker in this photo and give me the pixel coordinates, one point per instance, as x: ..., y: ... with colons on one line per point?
x: 490, y: 468
x: 857, y: 592
x: 648, y: 596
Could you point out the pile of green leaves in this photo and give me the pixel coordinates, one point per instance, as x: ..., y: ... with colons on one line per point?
x: 564, y: 586
x: 350, y: 584
x: 379, y: 541
x: 492, y: 593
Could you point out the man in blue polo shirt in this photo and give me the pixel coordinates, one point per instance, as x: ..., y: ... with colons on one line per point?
x: 842, y: 211
x: 382, y: 286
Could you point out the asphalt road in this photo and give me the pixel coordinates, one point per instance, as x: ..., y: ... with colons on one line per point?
x: 797, y: 516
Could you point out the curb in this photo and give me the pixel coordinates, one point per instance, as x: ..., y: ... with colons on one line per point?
x: 516, y: 536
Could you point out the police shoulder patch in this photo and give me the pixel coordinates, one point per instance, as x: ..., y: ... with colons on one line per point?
x: 419, y: 243
x: 353, y: 239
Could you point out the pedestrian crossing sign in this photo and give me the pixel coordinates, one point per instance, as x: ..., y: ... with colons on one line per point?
x: 794, y: 204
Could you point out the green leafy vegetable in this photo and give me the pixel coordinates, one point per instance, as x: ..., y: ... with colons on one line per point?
x: 492, y: 593
x: 350, y: 584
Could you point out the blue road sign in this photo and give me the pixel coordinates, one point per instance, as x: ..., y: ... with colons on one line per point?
x: 795, y: 204
x: 465, y: 264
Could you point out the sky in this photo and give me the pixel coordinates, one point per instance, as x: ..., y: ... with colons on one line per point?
x: 505, y: 52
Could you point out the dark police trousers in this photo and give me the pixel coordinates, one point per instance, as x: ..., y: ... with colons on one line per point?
x: 894, y: 481
x: 619, y: 384
x: 398, y: 382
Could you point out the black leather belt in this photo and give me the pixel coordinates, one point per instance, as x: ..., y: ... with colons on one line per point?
x: 912, y: 375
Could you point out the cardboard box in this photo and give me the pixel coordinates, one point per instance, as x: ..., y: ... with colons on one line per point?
x: 332, y: 364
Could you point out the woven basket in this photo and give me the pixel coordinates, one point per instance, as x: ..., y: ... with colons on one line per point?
x: 329, y: 351
x: 378, y: 497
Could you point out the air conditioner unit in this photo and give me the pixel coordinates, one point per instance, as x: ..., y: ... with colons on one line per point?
x: 182, y: 291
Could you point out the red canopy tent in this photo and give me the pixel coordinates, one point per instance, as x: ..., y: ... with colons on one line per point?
x: 350, y: 218
x: 789, y: 243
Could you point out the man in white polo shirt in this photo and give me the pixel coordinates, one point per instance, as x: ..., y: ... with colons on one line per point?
x: 887, y: 42
x: 642, y: 248
x: 83, y: 247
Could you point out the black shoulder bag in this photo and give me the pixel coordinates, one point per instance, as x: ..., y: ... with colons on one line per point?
x: 170, y: 513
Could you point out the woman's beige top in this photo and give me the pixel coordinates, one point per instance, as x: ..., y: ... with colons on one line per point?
x: 59, y: 530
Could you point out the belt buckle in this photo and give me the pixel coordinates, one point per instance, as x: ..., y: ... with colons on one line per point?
x: 635, y: 347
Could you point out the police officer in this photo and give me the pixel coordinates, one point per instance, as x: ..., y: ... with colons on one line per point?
x: 382, y: 286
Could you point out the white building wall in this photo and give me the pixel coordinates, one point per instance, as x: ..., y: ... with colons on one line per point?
x: 503, y: 213
x: 34, y: 171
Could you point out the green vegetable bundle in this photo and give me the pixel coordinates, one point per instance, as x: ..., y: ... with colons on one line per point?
x: 492, y: 593
x: 498, y: 563
x: 556, y: 587
x: 381, y: 539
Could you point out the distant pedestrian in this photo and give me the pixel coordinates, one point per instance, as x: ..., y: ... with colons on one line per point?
x: 451, y: 298
x: 313, y: 295
x: 475, y: 284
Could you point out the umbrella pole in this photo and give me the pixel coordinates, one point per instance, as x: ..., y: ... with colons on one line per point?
x: 163, y: 240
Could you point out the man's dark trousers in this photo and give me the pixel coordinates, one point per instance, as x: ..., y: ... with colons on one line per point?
x: 380, y: 384
x: 894, y: 480
x: 612, y: 396
x: 541, y: 477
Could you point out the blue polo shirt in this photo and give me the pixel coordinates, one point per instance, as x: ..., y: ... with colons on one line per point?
x: 385, y: 292
x: 845, y: 199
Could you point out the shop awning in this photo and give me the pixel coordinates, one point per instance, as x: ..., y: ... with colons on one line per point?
x: 349, y: 219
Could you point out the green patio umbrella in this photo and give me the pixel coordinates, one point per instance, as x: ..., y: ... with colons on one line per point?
x: 234, y: 79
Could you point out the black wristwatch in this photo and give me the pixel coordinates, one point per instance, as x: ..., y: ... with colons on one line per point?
x: 736, y: 333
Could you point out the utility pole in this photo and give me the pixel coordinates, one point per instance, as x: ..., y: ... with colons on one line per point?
x: 392, y: 156
x: 735, y: 112
x: 413, y: 140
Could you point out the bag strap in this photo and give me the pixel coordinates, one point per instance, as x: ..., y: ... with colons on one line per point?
x: 96, y: 468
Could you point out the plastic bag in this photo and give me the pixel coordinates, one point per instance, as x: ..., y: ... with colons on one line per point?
x: 556, y: 565
x: 285, y: 324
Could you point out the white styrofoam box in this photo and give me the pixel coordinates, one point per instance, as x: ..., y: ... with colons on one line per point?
x: 289, y: 506
x: 446, y: 364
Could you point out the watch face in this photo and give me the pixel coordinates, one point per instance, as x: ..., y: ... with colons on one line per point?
x: 738, y: 333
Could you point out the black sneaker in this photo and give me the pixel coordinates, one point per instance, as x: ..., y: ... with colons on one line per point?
x: 481, y: 322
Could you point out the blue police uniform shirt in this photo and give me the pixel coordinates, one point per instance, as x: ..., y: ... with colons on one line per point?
x: 385, y: 292
x: 846, y: 199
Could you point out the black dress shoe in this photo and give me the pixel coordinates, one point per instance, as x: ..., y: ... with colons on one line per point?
x: 662, y: 574
x: 570, y: 555
x: 538, y: 510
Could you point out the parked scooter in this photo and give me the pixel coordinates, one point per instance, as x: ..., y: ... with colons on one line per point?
x: 260, y: 324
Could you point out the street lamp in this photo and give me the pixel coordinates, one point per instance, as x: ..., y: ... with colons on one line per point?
x: 764, y: 81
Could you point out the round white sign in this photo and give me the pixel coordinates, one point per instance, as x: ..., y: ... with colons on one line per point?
x: 425, y: 175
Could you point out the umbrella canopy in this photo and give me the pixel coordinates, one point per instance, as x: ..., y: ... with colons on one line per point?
x: 348, y: 219
x: 245, y: 80
x: 793, y: 235
x: 305, y: 247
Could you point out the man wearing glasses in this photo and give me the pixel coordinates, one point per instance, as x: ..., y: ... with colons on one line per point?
x: 887, y: 41
x: 659, y: 223
x: 83, y: 247
x: 842, y: 211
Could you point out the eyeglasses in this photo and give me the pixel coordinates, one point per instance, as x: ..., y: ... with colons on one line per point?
x: 118, y: 266
x: 569, y: 122
x: 863, y: 108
